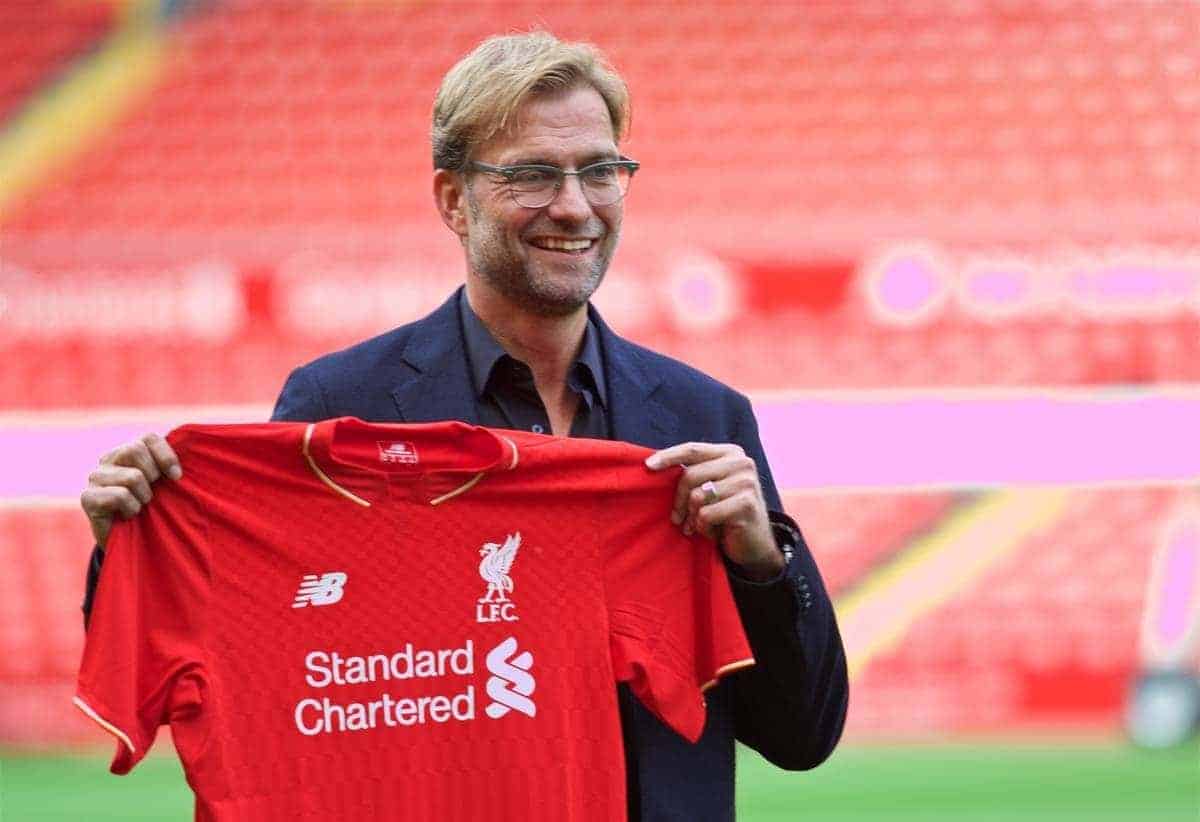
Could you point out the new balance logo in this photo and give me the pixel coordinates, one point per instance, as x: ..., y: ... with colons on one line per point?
x: 510, y: 683
x: 404, y: 453
x: 323, y: 590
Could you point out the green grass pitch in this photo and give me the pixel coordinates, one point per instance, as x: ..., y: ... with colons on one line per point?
x: 926, y: 783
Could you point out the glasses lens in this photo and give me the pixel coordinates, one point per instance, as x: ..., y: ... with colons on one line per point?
x: 534, y: 187
x: 604, y: 184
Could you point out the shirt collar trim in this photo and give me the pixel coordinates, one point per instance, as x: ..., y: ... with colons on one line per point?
x: 473, y: 449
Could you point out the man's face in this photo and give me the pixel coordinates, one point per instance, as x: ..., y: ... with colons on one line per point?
x: 518, y: 251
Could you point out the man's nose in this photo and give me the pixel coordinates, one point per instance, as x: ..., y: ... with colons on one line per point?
x: 570, y: 204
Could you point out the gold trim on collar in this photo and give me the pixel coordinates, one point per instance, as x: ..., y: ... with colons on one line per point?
x: 516, y: 455
x: 464, y: 488
x: 467, y: 486
x: 308, y: 432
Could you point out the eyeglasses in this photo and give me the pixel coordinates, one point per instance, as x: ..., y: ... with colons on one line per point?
x: 536, y: 186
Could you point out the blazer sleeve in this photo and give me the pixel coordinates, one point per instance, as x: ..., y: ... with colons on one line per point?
x: 791, y: 706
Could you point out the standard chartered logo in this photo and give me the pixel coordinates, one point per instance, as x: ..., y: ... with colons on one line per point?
x: 509, y: 686
x: 510, y: 683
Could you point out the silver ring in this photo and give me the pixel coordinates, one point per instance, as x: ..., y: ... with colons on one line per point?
x: 710, y: 492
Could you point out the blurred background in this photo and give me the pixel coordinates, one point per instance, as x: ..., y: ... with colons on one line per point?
x: 950, y: 249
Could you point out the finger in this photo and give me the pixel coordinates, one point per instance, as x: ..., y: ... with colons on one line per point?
x: 120, y: 476
x: 731, y: 466
x: 105, y: 502
x: 164, y: 455
x: 742, y: 485
x: 102, y: 504
x: 710, y: 492
x: 691, y: 479
x: 133, y: 455
x: 732, y: 510
x: 688, y: 453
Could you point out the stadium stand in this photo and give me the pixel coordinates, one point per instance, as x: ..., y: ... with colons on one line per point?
x: 1048, y: 639
x: 192, y: 254
x: 853, y: 533
x: 875, y: 125
x: 39, y: 40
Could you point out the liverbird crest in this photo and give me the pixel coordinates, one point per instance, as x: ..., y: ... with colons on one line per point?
x: 494, y: 567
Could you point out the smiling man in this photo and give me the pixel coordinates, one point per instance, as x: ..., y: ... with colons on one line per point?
x: 529, y: 177
x: 535, y: 241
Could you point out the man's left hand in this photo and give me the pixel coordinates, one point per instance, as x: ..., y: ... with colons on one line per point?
x: 720, y: 496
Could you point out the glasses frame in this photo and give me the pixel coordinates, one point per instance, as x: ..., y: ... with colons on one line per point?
x: 509, y: 172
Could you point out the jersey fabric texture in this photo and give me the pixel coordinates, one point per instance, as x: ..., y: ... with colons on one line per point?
x: 345, y: 620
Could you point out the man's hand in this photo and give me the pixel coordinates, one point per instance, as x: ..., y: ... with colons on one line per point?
x: 720, y: 496
x: 121, y: 482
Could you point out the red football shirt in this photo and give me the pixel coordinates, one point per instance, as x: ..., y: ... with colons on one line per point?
x: 421, y: 622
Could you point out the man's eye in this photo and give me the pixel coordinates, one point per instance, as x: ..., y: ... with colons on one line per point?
x: 531, y: 177
x: 600, y: 174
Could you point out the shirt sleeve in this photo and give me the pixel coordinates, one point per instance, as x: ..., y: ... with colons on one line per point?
x: 673, y: 625
x: 142, y: 664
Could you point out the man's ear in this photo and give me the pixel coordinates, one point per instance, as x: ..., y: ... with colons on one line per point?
x: 450, y: 195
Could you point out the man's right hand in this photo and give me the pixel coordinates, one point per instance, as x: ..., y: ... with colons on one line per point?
x: 120, y: 484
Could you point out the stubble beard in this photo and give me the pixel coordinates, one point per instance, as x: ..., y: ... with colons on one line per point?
x: 537, y: 292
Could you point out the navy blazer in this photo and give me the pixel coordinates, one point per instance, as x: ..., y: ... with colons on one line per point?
x: 791, y: 705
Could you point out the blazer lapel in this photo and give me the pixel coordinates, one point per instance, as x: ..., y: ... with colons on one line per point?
x: 439, y: 386
x: 638, y: 414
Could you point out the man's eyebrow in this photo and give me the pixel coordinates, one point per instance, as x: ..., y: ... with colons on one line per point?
x: 537, y: 160
x: 529, y: 161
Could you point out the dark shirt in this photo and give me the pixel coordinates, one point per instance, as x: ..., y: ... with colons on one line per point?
x: 506, y: 397
x: 505, y: 394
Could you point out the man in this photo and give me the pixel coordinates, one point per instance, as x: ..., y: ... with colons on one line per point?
x: 528, y: 176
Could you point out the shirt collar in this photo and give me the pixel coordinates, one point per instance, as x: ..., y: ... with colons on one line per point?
x: 483, y: 352
x: 355, y: 458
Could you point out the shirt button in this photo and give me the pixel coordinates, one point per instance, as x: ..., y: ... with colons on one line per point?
x: 537, y: 429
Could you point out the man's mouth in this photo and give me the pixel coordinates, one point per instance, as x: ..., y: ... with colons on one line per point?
x: 562, y: 244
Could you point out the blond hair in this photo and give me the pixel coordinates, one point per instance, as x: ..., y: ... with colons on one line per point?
x: 480, y: 95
